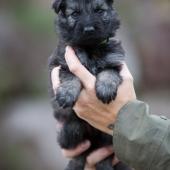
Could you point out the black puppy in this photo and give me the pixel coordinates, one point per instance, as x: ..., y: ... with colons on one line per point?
x: 89, y: 27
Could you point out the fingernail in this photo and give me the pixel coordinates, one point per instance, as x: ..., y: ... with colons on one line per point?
x: 85, y: 145
x: 68, y: 48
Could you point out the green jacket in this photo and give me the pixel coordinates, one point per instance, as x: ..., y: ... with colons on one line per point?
x: 141, y: 140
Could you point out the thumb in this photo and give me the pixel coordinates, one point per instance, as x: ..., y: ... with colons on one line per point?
x: 87, y: 79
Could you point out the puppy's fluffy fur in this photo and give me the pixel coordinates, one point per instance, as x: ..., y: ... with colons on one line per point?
x: 87, y: 26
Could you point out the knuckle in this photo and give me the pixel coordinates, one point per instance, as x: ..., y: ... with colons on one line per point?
x: 90, y: 87
x: 73, y: 68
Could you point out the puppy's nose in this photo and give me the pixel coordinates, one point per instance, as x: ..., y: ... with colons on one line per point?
x: 89, y: 30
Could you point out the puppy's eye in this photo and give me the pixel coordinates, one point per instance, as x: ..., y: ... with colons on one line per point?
x: 75, y: 14
x: 99, y: 11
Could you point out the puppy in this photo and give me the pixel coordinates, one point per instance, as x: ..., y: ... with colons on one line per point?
x: 89, y: 26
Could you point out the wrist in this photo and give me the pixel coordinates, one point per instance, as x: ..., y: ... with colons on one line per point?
x: 114, y: 115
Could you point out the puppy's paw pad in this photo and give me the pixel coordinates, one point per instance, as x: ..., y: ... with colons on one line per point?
x: 106, y: 92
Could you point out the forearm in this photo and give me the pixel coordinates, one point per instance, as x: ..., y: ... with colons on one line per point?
x: 142, y: 140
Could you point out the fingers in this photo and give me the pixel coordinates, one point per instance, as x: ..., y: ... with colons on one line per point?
x: 71, y: 153
x: 125, y: 73
x: 127, y: 85
x: 78, y: 69
x: 98, y: 156
x: 55, y: 78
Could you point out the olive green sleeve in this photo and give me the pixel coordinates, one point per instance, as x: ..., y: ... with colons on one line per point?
x: 141, y: 140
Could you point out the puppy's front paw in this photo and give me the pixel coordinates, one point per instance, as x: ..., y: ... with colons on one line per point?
x: 106, y: 91
x: 66, y: 97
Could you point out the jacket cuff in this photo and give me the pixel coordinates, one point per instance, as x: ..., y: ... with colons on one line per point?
x: 134, y: 133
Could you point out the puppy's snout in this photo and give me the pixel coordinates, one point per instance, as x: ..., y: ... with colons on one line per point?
x: 89, y: 30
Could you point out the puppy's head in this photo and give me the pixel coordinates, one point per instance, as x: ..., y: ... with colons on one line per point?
x: 86, y: 22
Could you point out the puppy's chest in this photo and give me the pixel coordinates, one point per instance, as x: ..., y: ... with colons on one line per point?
x: 91, y: 60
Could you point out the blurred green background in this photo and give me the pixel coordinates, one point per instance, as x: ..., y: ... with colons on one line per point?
x: 27, y: 38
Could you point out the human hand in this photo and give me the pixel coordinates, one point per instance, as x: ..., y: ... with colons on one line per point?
x: 94, y: 158
x: 88, y: 107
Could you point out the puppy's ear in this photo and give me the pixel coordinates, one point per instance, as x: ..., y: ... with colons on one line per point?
x: 57, y: 5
